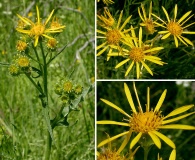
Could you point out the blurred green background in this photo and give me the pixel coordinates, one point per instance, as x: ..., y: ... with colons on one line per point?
x: 20, y: 107
x: 180, y: 60
x: 179, y: 93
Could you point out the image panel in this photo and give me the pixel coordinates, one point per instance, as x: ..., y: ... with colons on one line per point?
x: 145, y: 39
x: 47, y: 91
x: 145, y: 120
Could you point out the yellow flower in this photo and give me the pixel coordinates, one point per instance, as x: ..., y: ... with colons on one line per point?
x: 148, y: 122
x: 147, y: 22
x: 112, y: 36
x: 52, y: 43
x: 55, y: 23
x: 138, y: 54
x: 39, y: 29
x: 23, y: 61
x: 68, y: 86
x: 14, y: 70
x: 21, y: 45
x: 107, y: 19
x: 107, y: 2
x: 175, y: 28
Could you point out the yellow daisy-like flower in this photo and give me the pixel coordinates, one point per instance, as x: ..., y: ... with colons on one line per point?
x: 148, y: 122
x: 106, y: 20
x: 38, y: 29
x: 138, y: 54
x: 23, y: 61
x: 52, y: 43
x: 147, y: 22
x: 21, y: 45
x: 112, y: 36
x: 107, y: 2
x: 176, y: 28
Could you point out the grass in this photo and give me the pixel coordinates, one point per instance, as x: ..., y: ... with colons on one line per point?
x: 22, y: 126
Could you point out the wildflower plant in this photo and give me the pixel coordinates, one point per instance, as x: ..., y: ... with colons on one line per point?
x: 36, y: 48
x: 146, y: 123
x: 149, y: 16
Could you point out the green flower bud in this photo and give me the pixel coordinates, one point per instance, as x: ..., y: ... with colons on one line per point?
x: 14, y: 70
x: 58, y: 89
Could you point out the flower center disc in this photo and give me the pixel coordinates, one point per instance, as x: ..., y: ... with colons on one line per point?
x: 113, y: 37
x: 37, y: 30
x: 23, y: 62
x: 136, y: 54
x: 149, y: 26
x: 145, y: 122
x: 174, y: 28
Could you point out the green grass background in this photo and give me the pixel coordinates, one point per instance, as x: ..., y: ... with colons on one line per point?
x: 178, y: 94
x: 180, y: 60
x: 20, y: 108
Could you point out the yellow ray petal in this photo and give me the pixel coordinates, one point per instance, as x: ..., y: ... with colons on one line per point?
x: 124, y: 24
x: 187, y: 40
x: 177, y: 118
x: 137, y: 70
x: 165, y: 139
x: 36, y: 41
x: 25, y: 20
x: 183, y: 17
x: 111, y: 139
x: 49, y: 17
x: 115, y: 107
x: 178, y: 126
x: 158, y: 24
x: 143, y: 10
x: 189, y: 26
x: 155, y: 139
x: 150, y: 10
x: 173, y: 155
x: 176, y: 41
x: 135, y: 140
x: 147, y: 68
x: 129, y: 98
x: 126, y: 140
x: 179, y: 110
x: 166, y: 14
x: 175, y: 12
x: 188, y: 32
x: 159, y: 19
x: 140, y: 15
x: 99, y: 31
x: 186, y: 20
x: 38, y: 15
x: 123, y: 62
x: 129, y: 69
x: 154, y: 60
x: 140, y: 37
x: 148, y: 100
x: 137, y: 97
x: 133, y: 35
x: 160, y: 102
x: 112, y: 122
x: 23, y: 31
x: 119, y: 20
x: 102, y: 51
x: 163, y: 32
x: 182, y: 40
x: 100, y: 46
x: 166, y: 35
x: 153, y: 49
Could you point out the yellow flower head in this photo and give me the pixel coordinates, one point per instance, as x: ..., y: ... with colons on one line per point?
x: 147, y: 122
x: 78, y: 89
x: 175, y: 28
x: 147, y: 22
x: 39, y: 29
x: 112, y: 36
x: 52, y: 43
x: 55, y: 23
x: 14, y: 70
x: 107, y: 2
x: 106, y: 20
x: 21, y: 45
x: 23, y: 61
x: 68, y: 86
x: 137, y: 54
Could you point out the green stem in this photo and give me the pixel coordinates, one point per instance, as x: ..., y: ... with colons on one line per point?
x: 86, y: 124
x: 146, y: 151
x: 48, y: 146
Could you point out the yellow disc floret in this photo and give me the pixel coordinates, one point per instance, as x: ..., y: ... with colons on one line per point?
x: 136, y: 54
x: 52, y: 43
x: 145, y: 122
x: 149, y: 26
x: 112, y: 155
x: 37, y: 30
x: 68, y: 86
x: 174, y: 28
x: 21, y: 45
x: 113, y: 36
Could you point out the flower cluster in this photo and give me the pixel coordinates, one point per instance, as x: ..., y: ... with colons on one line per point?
x: 119, y: 39
x: 68, y: 90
